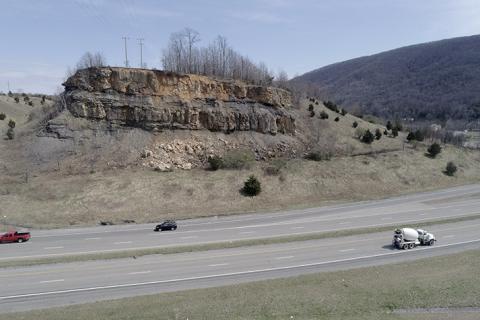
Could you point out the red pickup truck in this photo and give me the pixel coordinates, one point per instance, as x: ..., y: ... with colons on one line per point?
x: 15, y: 236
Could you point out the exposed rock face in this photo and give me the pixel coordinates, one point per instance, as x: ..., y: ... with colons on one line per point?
x: 156, y: 100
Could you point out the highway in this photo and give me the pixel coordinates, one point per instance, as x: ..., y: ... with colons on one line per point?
x: 42, y: 286
x: 447, y: 203
x: 55, y: 285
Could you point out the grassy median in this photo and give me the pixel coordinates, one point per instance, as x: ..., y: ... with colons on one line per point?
x: 366, y: 293
x: 225, y: 244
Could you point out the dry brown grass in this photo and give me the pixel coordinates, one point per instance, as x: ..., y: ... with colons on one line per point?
x: 55, y: 199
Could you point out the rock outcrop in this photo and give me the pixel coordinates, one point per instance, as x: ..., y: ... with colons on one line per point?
x: 156, y: 100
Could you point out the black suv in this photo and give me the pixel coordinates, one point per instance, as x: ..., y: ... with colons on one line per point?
x: 166, y: 225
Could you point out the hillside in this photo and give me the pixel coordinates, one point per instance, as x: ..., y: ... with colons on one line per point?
x: 129, y: 145
x: 431, y: 81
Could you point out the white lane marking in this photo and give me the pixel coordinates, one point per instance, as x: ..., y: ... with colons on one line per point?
x: 284, y: 258
x: 52, y: 248
x: 387, y: 218
x: 123, y: 242
x: 346, y: 222
x: 189, y: 237
x: 346, y: 250
x: 51, y: 281
x: 246, y: 232
x: 218, y: 264
x: 140, y: 272
x: 448, y: 236
x: 126, y: 285
x: 93, y: 238
x: 296, y: 228
x: 423, y: 214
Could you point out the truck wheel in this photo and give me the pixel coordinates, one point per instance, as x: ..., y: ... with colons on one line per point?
x: 411, y: 246
x: 431, y: 242
x: 20, y: 240
x: 405, y: 246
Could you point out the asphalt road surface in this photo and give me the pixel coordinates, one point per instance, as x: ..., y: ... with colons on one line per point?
x: 454, y: 202
x: 55, y: 285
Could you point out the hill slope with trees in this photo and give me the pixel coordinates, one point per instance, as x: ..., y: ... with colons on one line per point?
x: 431, y: 81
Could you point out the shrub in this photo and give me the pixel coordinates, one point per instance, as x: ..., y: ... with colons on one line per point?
x: 17, y: 100
x: 11, y: 123
x: 43, y: 100
x: 332, y: 106
x: 252, y: 186
x: 312, y: 114
x: 355, y: 124
x: 323, y: 115
x: 450, y: 169
x: 10, y: 93
x: 368, y: 137
x: 10, y: 134
x: 238, y: 159
x: 318, y: 155
x: 411, y: 136
x: 419, y: 136
x: 385, y: 132
x: 310, y: 107
x: 378, y: 134
x: 337, y: 119
x: 398, y: 126
x: 30, y: 103
x: 389, y: 125
x: 344, y: 112
x: 26, y: 98
x: 275, y: 167
x: 215, y: 162
x: 316, y: 102
x: 394, y: 132
x: 2, y: 116
x: 434, y: 150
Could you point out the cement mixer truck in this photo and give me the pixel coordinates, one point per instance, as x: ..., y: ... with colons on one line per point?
x: 408, y: 238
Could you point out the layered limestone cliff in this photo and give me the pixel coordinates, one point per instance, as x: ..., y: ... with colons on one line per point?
x: 155, y: 100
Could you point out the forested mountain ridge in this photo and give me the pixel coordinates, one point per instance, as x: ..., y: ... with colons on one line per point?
x: 432, y: 81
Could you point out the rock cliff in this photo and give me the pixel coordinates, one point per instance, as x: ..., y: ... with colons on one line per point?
x: 156, y: 100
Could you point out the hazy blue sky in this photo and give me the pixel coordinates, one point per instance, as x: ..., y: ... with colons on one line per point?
x: 40, y: 39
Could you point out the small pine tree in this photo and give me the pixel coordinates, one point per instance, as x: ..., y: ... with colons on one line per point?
x: 385, y: 132
x: 434, y: 150
x: 252, y: 187
x: 344, y: 112
x: 450, y: 169
x: 312, y: 113
x: 17, y: 100
x: 411, y: 136
x: 323, y: 115
x: 2, y: 116
x: 310, y: 107
x: 30, y: 103
x: 378, y: 134
x: 10, y: 134
x: 26, y: 99
x: 43, y: 100
x: 368, y: 137
x: 11, y: 123
x: 355, y: 124
x: 419, y: 136
x: 389, y: 125
x: 215, y: 162
x: 337, y: 119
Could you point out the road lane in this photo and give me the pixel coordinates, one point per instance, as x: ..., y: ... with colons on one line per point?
x: 49, y: 285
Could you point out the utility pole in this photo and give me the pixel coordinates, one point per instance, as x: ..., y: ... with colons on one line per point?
x: 140, y: 43
x: 126, y: 56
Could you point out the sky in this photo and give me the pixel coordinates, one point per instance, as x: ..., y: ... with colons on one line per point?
x: 41, y: 39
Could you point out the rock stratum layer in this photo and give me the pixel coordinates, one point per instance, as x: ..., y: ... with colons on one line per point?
x: 155, y: 100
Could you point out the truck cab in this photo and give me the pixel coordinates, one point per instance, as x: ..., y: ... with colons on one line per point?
x: 425, y: 237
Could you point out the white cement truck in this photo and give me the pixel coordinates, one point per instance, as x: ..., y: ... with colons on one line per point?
x: 408, y: 238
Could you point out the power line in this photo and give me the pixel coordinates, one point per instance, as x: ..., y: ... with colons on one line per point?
x: 126, y: 54
x: 140, y: 43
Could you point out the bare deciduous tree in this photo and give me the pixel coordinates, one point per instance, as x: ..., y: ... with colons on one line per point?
x: 89, y: 60
x: 217, y: 59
